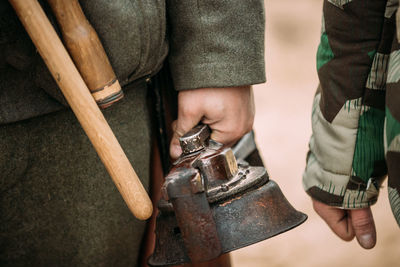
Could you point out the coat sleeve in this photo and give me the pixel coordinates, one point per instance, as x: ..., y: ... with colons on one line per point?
x: 216, y: 43
x: 346, y: 162
x: 392, y: 124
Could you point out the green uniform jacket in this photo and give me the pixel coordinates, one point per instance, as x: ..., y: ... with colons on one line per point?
x: 58, y: 207
x: 209, y: 43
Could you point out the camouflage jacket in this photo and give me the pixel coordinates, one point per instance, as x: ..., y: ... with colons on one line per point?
x: 356, y: 111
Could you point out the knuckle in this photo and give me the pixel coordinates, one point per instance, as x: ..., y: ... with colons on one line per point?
x: 246, y: 124
x: 220, y: 109
x: 247, y: 127
x: 362, y: 224
x: 186, y: 111
x: 249, y: 124
x: 324, y: 211
x: 234, y: 134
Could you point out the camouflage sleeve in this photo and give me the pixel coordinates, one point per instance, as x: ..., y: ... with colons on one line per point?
x: 346, y: 162
x: 392, y: 125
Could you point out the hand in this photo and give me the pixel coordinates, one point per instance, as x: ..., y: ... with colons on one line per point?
x: 228, y: 111
x: 349, y: 223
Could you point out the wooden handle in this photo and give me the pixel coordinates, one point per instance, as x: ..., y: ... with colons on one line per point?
x: 83, y: 105
x: 87, y: 52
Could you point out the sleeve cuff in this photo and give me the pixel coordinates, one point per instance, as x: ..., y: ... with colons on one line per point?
x: 333, y: 189
x: 217, y: 74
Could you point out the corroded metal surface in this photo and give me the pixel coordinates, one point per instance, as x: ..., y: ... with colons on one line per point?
x: 195, y: 139
x: 212, y: 205
x: 241, y: 221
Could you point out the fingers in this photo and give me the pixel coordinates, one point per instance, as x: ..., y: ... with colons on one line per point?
x: 349, y: 223
x: 337, y: 219
x: 229, y: 135
x: 228, y: 111
x: 174, y: 148
x: 364, y: 227
x: 238, y: 118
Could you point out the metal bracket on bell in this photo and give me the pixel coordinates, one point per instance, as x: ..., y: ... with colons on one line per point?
x: 212, y: 205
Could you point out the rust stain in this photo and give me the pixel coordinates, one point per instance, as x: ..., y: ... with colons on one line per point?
x: 259, y: 203
x: 230, y: 201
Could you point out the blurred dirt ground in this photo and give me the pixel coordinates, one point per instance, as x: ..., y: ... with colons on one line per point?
x: 282, y: 125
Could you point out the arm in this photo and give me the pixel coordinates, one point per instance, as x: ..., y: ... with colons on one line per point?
x: 216, y: 53
x: 346, y: 163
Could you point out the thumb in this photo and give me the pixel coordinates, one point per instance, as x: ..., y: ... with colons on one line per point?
x: 364, y: 227
x: 181, y: 126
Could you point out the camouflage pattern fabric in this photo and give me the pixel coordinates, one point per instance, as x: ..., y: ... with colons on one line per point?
x: 356, y: 112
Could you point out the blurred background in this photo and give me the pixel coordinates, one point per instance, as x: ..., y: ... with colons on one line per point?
x: 283, y: 127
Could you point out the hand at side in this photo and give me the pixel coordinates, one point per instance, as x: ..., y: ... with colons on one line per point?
x: 348, y: 224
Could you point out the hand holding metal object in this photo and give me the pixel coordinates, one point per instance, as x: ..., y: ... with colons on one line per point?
x: 213, y: 204
x: 82, y: 104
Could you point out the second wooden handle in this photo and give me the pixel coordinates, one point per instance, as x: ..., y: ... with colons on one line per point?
x: 78, y: 96
x: 87, y: 52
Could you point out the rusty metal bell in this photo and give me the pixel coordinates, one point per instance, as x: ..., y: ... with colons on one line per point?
x: 215, y: 202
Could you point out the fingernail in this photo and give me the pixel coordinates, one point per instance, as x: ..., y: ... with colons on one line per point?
x: 366, y: 241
